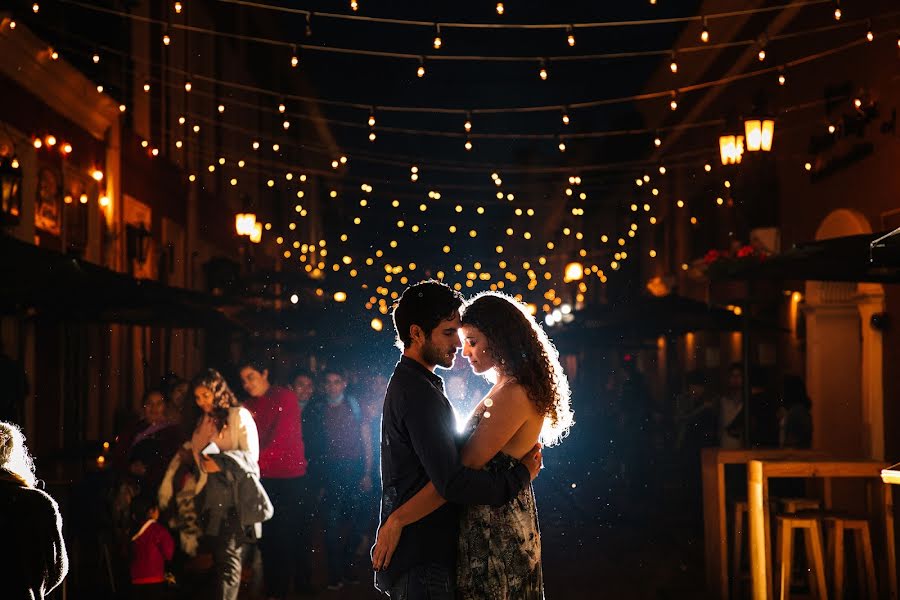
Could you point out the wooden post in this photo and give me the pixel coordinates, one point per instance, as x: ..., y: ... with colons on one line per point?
x: 758, y: 517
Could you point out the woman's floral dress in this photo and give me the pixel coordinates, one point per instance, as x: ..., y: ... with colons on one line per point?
x: 499, y: 555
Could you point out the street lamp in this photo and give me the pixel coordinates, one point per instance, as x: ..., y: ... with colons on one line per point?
x: 759, y: 132
x: 731, y: 149
x: 245, y: 223
x: 10, y: 191
x: 574, y: 272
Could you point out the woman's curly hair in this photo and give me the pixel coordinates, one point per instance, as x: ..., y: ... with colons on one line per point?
x: 223, y: 397
x: 521, y: 349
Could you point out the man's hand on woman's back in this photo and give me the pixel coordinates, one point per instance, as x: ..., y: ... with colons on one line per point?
x: 533, y: 461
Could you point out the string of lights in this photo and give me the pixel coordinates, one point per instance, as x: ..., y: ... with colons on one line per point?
x: 420, y: 58
x: 524, y: 26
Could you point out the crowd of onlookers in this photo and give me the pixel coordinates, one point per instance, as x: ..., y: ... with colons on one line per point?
x: 209, y: 487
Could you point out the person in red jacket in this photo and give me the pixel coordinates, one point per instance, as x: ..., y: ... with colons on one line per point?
x: 282, y: 464
x: 151, y: 547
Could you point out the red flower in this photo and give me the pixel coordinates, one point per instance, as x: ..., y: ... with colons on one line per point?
x: 712, y: 256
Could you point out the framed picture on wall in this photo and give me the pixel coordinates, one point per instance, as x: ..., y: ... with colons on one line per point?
x: 48, y: 204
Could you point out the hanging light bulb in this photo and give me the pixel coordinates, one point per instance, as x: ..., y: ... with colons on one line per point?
x: 500, y: 8
x: 570, y: 37
x: 673, y: 103
x: 420, y: 72
x: 468, y: 124
x: 565, y: 116
x: 96, y: 58
x: 372, y: 117
x: 372, y: 136
x: 704, y: 33
x: 295, y: 59
x: 36, y: 8
x: 673, y: 64
x: 869, y: 35
x: 54, y: 55
x: 657, y: 141
x: 468, y: 144
x: 837, y: 10
x: 281, y: 107
x: 178, y: 7
x: 562, y: 145
x: 354, y: 5
x: 146, y: 86
x: 781, y: 78
x: 761, y: 55
x: 543, y: 70
x: 187, y: 86
x: 166, y: 40
x: 437, y: 37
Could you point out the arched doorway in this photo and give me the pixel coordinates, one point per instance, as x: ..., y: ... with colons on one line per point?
x: 844, y: 355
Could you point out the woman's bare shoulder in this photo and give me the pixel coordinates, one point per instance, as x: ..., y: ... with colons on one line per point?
x: 511, y: 396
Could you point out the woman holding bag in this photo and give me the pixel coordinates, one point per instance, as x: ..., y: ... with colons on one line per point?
x: 225, y: 446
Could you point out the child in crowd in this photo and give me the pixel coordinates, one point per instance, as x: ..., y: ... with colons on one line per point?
x: 151, y: 547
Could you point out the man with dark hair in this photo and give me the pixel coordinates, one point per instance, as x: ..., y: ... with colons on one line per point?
x: 339, y: 452
x: 282, y: 465
x: 419, y: 444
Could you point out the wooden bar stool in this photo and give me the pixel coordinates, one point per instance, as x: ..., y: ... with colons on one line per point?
x: 862, y: 542
x: 789, y: 506
x: 812, y: 531
x: 737, y: 553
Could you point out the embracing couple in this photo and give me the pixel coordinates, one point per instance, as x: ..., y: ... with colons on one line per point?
x: 458, y: 517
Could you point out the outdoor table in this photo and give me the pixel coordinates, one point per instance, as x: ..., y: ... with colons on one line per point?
x: 758, y: 474
x: 715, y: 523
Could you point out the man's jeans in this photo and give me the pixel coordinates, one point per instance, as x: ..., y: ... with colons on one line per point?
x: 425, y: 582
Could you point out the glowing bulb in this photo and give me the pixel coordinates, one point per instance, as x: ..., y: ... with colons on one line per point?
x: 166, y: 39
x: 870, y: 36
x: 187, y: 86
x: 438, y: 42
x: 762, y: 54
x: 543, y: 71
x: 570, y: 38
x: 54, y: 55
x: 565, y: 118
x: 656, y: 142
x: 562, y: 146
x: 781, y: 79
x: 468, y: 145
x: 420, y: 72
x: 146, y: 87
x: 295, y: 59
x: 673, y: 104
x: 837, y: 13
x: 673, y: 65
x: 95, y: 58
x: 354, y: 5
x: 500, y: 8
x: 36, y: 7
x: 704, y: 34
x: 178, y: 7
x: 97, y: 175
x: 372, y: 136
x: 372, y: 119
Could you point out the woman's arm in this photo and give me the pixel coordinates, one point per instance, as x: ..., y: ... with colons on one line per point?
x: 426, y: 501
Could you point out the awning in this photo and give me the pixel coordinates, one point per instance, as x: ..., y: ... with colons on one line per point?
x: 884, y: 250
x: 45, y: 282
x: 846, y: 258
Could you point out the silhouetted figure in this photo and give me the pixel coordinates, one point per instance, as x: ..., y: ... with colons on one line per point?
x: 36, y: 560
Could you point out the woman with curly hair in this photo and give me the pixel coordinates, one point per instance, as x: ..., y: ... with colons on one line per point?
x: 225, y: 445
x: 499, y: 552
